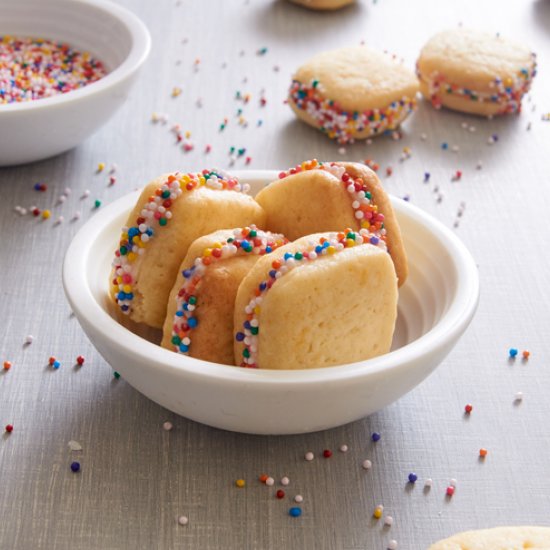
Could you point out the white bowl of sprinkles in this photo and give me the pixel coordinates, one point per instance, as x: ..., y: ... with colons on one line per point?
x: 65, y: 67
x: 436, y: 305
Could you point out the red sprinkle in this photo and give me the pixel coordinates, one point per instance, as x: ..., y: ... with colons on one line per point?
x: 468, y: 408
x: 51, y: 360
x: 9, y: 428
x: 280, y: 494
x: 263, y: 478
x: 450, y: 491
x: 327, y: 453
x: 80, y: 360
x: 7, y: 365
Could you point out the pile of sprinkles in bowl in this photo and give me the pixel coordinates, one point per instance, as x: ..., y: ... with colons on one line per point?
x: 325, y: 246
x: 154, y: 216
x: 365, y: 211
x: 35, y: 68
x: 343, y: 125
x: 245, y: 241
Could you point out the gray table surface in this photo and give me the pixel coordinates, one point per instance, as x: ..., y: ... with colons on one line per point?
x: 136, y: 479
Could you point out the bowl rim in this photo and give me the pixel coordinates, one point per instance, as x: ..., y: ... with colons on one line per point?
x: 139, y: 50
x: 451, y: 325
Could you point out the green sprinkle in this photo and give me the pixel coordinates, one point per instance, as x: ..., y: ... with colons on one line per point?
x: 350, y: 236
x: 116, y: 374
x: 254, y: 330
x: 315, y: 83
x: 193, y: 300
x: 298, y: 255
x: 176, y: 340
x: 97, y: 203
x: 253, y: 233
x: 123, y: 250
x: 246, y: 353
x: 163, y: 221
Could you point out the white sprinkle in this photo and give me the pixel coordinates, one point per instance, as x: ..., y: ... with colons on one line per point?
x: 453, y: 482
x: 74, y: 445
x: 423, y: 137
x: 270, y: 482
x: 59, y: 220
x: 455, y: 148
x: 518, y: 396
x: 388, y: 520
x: 309, y: 456
x: 472, y: 129
x: 285, y: 481
x: 29, y: 338
x: 167, y: 426
x: 367, y: 464
x: 479, y: 165
x: 428, y: 483
x: 464, y: 125
x: 490, y: 140
x: 67, y: 191
x: 392, y: 545
x: 344, y: 449
x: 77, y: 215
x: 298, y: 498
x: 369, y: 141
x: 85, y: 194
x: 342, y: 151
x: 183, y: 520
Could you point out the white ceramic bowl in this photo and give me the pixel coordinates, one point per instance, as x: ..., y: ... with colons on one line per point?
x: 34, y: 130
x: 436, y: 304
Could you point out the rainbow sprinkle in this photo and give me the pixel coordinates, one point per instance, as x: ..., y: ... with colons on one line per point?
x: 342, y: 125
x: 34, y: 68
x: 324, y: 246
x: 507, y: 94
x: 366, y: 212
x: 246, y: 241
x: 155, y: 215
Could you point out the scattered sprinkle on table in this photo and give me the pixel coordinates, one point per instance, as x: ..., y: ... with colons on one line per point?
x: 298, y: 499
x: 29, y: 339
x: 376, y: 436
x: 80, y: 360
x: 412, y: 477
x: 9, y: 428
x: 482, y: 453
x: 309, y: 456
x: 34, y: 68
x: 519, y: 396
x: 468, y: 408
x: 525, y: 354
x: 428, y: 483
x: 75, y: 467
x: 327, y: 453
x: 512, y: 352
x: 280, y: 494
x: 183, y: 520
x: 240, y: 483
x: 450, y: 491
x: 378, y: 511
x: 7, y: 365
x: 116, y: 374
x: 285, y: 481
x: 270, y: 482
x: 392, y: 545
x: 167, y: 426
x: 295, y: 512
x: 388, y: 520
x: 367, y: 464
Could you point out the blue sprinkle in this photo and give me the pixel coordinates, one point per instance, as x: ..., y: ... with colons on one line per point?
x: 75, y: 466
x: 187, y: 273
x: 413, y: 477
x: 192, y: 322
x: 513, y: 352
x: 268, y: 249
x: 183, y: 348
x: 426, y: 176
x: 263, y: 286
x: 247, y: 325
x: 133, y: 231
x: 272, y: 273
x: 318, y: 249
x: 326, y: 244
x: 56, y: 364
x: 295, y: 512
x: 179, y: 313
x: 375, y: 436
x: 239, y: 336
x: 288, y: 255
x: 124, y: 308
x: 444, y: 145
x: 374, y: 240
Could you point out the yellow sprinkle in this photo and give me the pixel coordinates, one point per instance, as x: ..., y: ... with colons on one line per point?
x: 46, y: 214
x: 207, y: 252
x: 378, y: 512
x: 119, y: 279
x: 331, y: 250
x: 127, y: 288
x: 188, y: 134
x: 240, y: 483
x: 101, y: 167
x: 217, y: 245
x: 131, y: 256
x: 176, y: 91
x: 257, y: 310
x: 350, y: 243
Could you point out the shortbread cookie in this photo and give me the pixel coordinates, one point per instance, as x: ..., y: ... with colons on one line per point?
x: 323, y: 300
x: 330, y: 196
x: 323, y: 4
x: 475, y: 72
x: 498, y: 538
x: 199, y: 317
x: 353, y: 93
x: 170, y: 214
